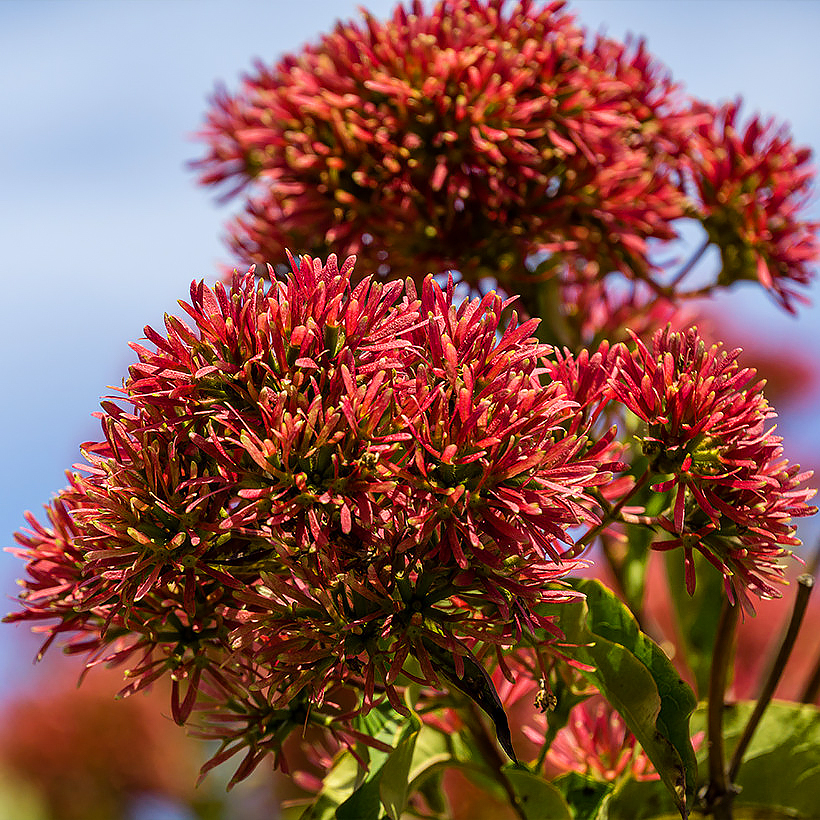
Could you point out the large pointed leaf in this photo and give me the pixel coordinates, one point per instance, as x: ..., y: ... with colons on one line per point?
x: 395, y: 774
x: 351, y: 793
x: 364, y: 803
x: 638, y: 680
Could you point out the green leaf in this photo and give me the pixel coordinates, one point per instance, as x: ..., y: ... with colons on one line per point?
x: 638, y: 680
x: 385, y: 782
x: 363, y: 804
x: 781, y: 767
x: 587, y: 798
x: 477, y: 685
x: 381, y: 723
x: 338, y: 785
x: 19, y: 800
x: 395, y: 774
x: 641, y: 800
x: 538, y: 798
x: 437, y: 750
x: 650, y: 801
x: 696, y: 615
x: 432, y: 790
x: 350, y: 792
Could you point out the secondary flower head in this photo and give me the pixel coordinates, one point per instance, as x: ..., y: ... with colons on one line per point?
x: 463, y: 137
x: 751, y: 187
x: 707, y: 435
x: 317, y: 488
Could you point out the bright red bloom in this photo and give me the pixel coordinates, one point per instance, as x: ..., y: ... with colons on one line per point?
x: 751, y: 186
x: 317, y: 483
x: 466, y: 137
x: 732, y: 493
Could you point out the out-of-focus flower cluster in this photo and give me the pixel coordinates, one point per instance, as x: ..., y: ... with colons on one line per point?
x: 596, y: 742
x: 480, y: 134
x: 90, y: 758
x: 320, y: 489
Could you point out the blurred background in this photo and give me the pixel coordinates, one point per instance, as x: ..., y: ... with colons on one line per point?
x: 102, y: 228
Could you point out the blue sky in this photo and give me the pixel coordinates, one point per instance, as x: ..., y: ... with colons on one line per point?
x: 102, y: 227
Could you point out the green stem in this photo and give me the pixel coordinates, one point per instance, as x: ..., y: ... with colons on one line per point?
x: 542, y: 300
x: 617, y: 567
x: 805, y: 584
x: 718, y: 796
x: 608, y: 518
x: 549, y: 736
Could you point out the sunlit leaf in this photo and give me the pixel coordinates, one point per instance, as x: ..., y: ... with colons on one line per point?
x: 781, y: 767
x: 638, y: 680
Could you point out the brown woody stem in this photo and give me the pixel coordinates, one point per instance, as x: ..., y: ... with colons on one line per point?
x: 804, y: 588
x: 718, y: 795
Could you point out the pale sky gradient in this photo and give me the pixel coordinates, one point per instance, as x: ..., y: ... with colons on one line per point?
x: 102, y: 227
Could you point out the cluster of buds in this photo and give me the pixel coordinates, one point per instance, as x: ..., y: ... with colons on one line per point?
x: 459, y: 138
x: 752, y: 185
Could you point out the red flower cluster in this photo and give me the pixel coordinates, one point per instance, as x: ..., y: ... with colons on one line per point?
x: 319, y: 486
x: 466, y: 137
x: 751, y: 185
x: 706, y: 420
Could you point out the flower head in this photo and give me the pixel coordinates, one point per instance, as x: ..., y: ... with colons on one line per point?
x: 707, y: 436
x: 318, y: 485
x: 751, y: 186
x: 464, y: 137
